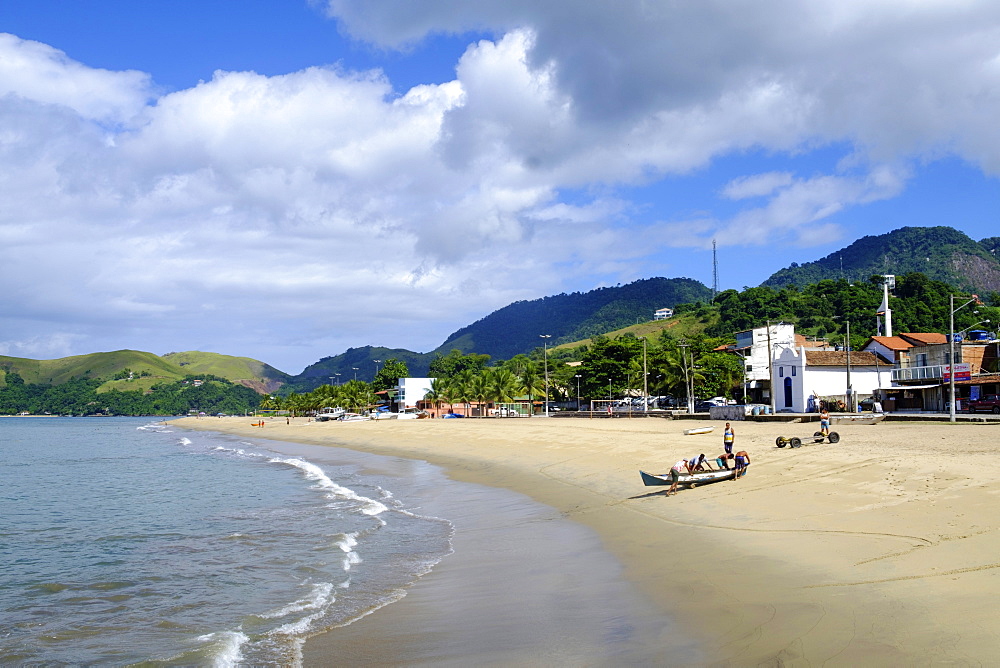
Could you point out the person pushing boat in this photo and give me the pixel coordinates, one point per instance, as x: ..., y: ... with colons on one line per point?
x: 741, y: 461
x: 675, y: 475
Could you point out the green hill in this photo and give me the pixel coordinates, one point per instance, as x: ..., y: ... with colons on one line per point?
x: 356, y: 363
x: 516, y: 328
x: 125, y: 370
x: 252, y: 373
x: 940, y: 253
x: 684, y: 325
x: 93, y: 366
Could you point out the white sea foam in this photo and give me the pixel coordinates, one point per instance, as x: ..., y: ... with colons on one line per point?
x: 351, y: 559
x: 346, y: 541
x: 227, y: 647
x: 335, y: 491
x: 318, y: 598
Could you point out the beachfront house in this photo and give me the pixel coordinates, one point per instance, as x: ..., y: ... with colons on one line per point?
x: 920, y: 378
x: 409, y: 391
x: 804, y: 371
x: 804, y: 377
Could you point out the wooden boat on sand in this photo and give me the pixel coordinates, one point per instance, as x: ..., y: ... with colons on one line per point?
x: 862, y: 418
x: 689, y: 479
x: 698, y: 430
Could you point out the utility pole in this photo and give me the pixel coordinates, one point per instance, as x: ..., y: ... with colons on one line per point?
x: 545, y: 355
x: 850, y: 390
x: 770, y: 367
x: 687, y: 389
x: 645, y: 375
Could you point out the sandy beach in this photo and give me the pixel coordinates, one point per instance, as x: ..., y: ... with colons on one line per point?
x: 879, y: 550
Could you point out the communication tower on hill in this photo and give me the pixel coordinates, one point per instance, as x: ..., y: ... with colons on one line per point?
x: 715, y: 271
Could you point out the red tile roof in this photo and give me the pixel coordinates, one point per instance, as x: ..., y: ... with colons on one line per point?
x: 924, y: 338
x: 892, y: 342
x: 839, y: 358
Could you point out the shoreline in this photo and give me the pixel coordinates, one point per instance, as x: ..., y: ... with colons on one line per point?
x: 880, y: 549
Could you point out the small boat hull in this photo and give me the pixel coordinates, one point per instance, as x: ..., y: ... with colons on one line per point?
x: 698, y: 430
x: 690, y: 479
x: 857, y: 419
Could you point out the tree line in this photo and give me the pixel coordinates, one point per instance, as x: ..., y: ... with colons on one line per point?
x: 80, y: 396
x: 673, y: 365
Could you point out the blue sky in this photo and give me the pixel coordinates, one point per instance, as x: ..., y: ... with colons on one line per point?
x: 286, y: 179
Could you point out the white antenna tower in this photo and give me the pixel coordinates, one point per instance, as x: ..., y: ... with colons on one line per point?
x: 715, y: 271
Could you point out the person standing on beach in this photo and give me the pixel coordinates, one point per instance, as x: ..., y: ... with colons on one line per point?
x: 824, y: 421
x: 728, y: 438
x: 675, y: 475
x: 742, y: 459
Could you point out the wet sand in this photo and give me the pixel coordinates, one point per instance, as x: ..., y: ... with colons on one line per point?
x: 879, y: 550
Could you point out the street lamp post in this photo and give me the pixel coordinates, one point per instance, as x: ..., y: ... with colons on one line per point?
x: 338, y: 378
x: 577, y: 392
x: 951, y: 348
x: 377, y: 362
x: 645, y: 377
x: 850, y: 390
x: 687, y: 390
x: 545, y: 354
x: 355, y: 372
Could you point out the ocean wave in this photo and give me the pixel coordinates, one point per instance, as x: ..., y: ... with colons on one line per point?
x: 335, y: 491
x: 318, y: 598
x: 226, y: 647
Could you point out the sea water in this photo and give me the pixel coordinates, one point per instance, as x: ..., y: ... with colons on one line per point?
x: 123, y: 541
x: 126, y: 541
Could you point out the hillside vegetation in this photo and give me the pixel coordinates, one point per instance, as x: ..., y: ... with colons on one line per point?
x: 94, y: 366
x: 939, y: 253
x: 252, y: 373
x: 516, y: 328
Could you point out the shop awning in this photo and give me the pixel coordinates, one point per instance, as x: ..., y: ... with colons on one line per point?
x: 910, y: 387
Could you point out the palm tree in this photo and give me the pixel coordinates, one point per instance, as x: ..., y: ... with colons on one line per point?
x: 479, y: 390
x: 532, y: 382
x: 438, y: 392
x: 503, y: 386
x: 459, y: 388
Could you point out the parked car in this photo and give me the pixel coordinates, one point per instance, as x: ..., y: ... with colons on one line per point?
x: 989, y: 402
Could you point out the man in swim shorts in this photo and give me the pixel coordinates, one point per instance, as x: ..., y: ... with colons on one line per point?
x: 675, y: 475
x: 742, y: 460
x: 824, y: 422
x: 728, y: 437
x: 722, y: 461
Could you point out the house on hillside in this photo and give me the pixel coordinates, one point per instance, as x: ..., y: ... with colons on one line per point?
x: 663, y: 313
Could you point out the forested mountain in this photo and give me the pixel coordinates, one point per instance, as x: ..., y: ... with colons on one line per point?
x: 939, y: 253
x: 516, y: 328
x: 356, y: 364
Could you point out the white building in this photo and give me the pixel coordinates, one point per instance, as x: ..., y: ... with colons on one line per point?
x: 411, y: 390
x: 663, y: 313
x: 804, y: 371
x: 801, y: 374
